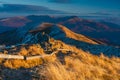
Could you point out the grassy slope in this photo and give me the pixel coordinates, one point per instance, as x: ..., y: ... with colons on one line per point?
x: 67, y: 65
x: 75, y: 36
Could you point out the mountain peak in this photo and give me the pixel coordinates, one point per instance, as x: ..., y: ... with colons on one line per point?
x: 41, y: 27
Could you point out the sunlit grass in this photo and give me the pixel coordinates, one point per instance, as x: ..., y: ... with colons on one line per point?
x: 75, y: 65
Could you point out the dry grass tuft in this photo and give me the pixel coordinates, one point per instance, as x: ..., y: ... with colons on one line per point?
x: 31, y: 50
x: 15, y: 64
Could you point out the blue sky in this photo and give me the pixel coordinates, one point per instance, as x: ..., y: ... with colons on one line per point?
x: 74, y: 6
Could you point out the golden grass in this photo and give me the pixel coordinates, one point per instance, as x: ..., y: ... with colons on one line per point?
x: 76, y: 65
x: 25, y: 51
x: 15, y: 64
x: 78, y: 68
x: 82, y: 65
x: 76, y: 36
x: 31, y: 50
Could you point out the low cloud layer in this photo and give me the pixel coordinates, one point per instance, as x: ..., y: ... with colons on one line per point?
x: 101, y: 13
x: 61, y: 1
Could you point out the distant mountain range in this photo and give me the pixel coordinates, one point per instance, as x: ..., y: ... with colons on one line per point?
x: 101, y: 18
x: 19, y: 26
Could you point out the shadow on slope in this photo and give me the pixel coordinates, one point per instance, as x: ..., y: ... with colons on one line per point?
x: 59, y: 32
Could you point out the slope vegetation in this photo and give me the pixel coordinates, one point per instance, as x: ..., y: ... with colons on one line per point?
x: 76, y: 36
x: 72, y: 64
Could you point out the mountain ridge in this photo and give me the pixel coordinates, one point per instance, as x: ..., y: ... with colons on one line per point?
x: 107, y: 33
x: 42, y: 35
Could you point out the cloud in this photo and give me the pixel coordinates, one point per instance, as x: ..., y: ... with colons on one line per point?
x: 100, y: 13
x: 28, y: 9
x: 61, y: 1
x: 1, y: 4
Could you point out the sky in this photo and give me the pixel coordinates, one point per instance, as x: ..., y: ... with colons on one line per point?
x: 74, y: 6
